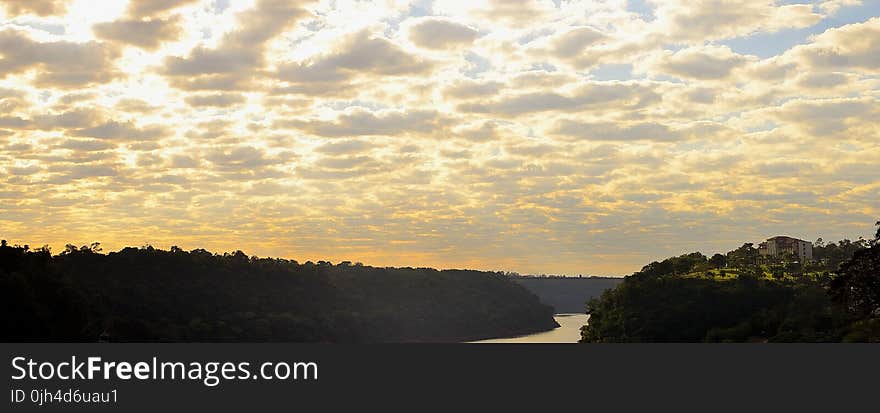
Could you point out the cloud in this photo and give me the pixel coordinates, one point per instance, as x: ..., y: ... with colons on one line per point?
x: 701, y: 20
x: 770, y: 70
x: 506, y: 12
x: 38, y: 7
x: 85, y: 145
x: 348, y: 162
x: 484, y: 132
x: 75, y: 118
x: 241, y: 158
x: 344, y: 147
x: 13, y: 122
x: 147, y: 34
x: 357, y: 55
x: 823, y: 80
x: 145, y: 8
x: 469, y: 89
x: 12, y: 99
x: 785, y: 168
x: 360, y: 122
x: 574, y: 46
x: 339, y: 168
x: 59, y: 64
x: 183, y: 162
x: 630, y: 94
x: 24, y: 170
x: 133, y: 105
x: 441, y: 34
x: 829, y: 117
x: 202, y: 61
x: 81, y: 171
x: 532, y: 151
x: 852, y: 46
x: 233, y: 63
x: 613, y: 131
x: 701, y: 63
x: 541, y: 79
x: 574, y: 41
x: 221, y: 100
x: 126, y: 131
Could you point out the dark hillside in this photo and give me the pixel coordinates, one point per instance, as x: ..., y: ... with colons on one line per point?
x: 151, y: 295
x: 568, y: 295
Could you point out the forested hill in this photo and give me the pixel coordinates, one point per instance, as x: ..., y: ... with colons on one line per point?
x: 736, y: 297
x: 147, y: 294
x: 568, y: 294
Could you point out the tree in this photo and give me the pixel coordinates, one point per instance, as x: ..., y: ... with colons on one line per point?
x: 857, y: 286
x: 718, y: 261
x: 744, y: 256
x: 877, y: 235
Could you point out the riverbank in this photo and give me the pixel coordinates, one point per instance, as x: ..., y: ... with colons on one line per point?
x: 569, y: 331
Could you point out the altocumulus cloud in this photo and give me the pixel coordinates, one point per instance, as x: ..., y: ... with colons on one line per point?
x: 535, y: 136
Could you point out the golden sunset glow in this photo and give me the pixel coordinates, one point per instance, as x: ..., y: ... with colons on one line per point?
x: 534, y: 136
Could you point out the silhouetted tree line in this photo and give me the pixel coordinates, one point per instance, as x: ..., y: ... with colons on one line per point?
x: 669, y: 301
x: 147, y: 294
x: 830, y: 256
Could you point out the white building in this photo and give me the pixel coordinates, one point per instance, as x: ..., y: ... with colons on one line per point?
x: 782, y: 246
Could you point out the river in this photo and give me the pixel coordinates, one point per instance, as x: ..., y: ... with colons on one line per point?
x: 569, y: 331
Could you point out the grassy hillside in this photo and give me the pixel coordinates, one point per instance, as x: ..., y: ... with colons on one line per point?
x: 731, y: 298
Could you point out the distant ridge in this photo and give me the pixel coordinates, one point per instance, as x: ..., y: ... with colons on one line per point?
x: 567, y: 294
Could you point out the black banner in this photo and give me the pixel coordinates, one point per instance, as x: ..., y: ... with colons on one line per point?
x: 410, y: 377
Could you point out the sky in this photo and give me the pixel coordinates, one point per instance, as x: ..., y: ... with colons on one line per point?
x: 558, y: 137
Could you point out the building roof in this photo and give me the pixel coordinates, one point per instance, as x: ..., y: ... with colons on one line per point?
x: 785, y: 238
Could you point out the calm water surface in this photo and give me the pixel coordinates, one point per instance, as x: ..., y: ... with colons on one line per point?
x: 569, y: 331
